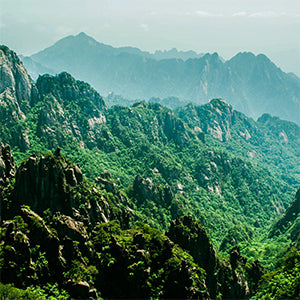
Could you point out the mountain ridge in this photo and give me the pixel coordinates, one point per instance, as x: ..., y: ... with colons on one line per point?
x: 253, y: 83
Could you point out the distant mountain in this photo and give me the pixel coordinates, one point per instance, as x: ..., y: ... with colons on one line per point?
x: 36, y: 69
x: 174, y: 53
x: 252, y: 84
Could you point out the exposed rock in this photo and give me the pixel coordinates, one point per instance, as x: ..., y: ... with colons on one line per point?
x: 17, y: 93
x: 198, y: 245
x: 105, y: 180
x: 144, y: 189
x: 7, y: 165
x: 175, y: 129
x: 68, y: 227
x: 16, y: 81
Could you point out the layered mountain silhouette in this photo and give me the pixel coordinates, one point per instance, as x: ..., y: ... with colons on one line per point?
x: 251, y: 84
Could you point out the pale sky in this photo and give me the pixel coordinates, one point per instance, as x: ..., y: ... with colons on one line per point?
x: 225, y: 26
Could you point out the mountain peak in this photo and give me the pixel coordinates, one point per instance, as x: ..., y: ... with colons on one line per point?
x: 82, y: 34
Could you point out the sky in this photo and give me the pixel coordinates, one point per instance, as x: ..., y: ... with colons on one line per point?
x: 271, y: 27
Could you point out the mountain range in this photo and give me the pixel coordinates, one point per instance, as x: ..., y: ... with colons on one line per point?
x: 142, y: 201
x: 251, y: 84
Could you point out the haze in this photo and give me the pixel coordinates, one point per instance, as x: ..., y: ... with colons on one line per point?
x: 226, y: 27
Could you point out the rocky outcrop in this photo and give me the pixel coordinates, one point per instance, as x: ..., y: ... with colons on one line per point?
x: 229, y: 280
x: 7, y: 166
x: 175, y: 129
x: 44, y: 183
x: 52, y: 183
x: 17, y: 93
x: 65, y: 97
x: 15, y: 85
x: 191, y: 236
x: 145, y: 189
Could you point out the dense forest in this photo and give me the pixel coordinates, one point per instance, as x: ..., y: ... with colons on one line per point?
x: 142, y: 201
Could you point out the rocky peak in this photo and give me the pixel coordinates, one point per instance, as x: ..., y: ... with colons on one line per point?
x: 44, y: 182
x: 65, y: 89
x: 16, y: 86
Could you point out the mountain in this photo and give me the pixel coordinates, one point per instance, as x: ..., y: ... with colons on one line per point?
x: 119, y: 197
x: 35, y: 68
x: 252, y: 84
x: 242, y: 136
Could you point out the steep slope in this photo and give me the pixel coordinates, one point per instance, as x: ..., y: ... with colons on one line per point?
x: 17, y: 94
x: 262, y: 88
x: 289, y: 222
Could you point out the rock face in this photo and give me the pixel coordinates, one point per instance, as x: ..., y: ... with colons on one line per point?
x: 229, y: 280
x: 43, y: 183
x: 7, y: 166
x: 218, y: 119
x: 52, y: 183
x: 144, y: 189
x: 188, y: 233
x: 17, y: 93
x: 54, y: 102
x: 59, y: 117
x: 46, y: 247
x: 15, y: 85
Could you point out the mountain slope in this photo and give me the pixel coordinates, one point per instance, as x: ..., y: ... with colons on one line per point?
x: 262, y: 88
x: 270, y: 141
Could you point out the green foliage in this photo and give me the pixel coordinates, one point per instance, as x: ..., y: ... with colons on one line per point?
x: 80, y: 271
x: 284, y: 283
x: 51, y: 292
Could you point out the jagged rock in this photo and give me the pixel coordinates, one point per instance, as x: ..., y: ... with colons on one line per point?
x: 175, y: 129
x: 68, y: 227
x: 236, y: 258
x: 7, y: 165
x: 105, y: 180
x: 15, y: 80
x: 197, y: 243
x: 93, y: 295
x: 145, y: 189
x: 17, y: 93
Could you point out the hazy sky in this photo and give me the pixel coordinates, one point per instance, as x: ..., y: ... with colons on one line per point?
x: 224, y: 26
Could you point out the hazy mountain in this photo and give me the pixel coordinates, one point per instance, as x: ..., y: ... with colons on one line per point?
x: 251, y: 84
x: 35, y: 68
